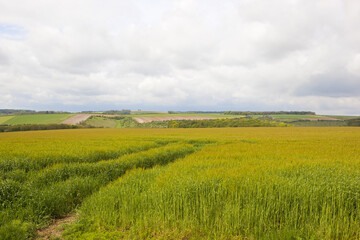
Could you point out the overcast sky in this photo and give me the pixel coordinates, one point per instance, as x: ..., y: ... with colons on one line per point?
x: 181, y: 55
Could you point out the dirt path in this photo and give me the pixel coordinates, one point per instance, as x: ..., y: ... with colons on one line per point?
x: 54, y: 230
x: 151, y: 119
x: 76, y: 119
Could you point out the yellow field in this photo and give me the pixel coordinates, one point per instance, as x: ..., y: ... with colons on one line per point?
x: 228, y: 183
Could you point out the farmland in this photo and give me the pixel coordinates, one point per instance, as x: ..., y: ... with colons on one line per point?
x: 151, y: 119
x: 4, y: 119
x: 230, y: 183
x: 34, y: 119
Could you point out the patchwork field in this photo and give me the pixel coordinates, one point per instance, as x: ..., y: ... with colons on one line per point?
x: 76, y: 119
x: 3, y: 119
x: 230, y: 183
x: 35, y: 119
x: 168, y: 118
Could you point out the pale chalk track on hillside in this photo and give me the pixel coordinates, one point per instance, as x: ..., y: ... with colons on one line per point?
x: 76, y: 119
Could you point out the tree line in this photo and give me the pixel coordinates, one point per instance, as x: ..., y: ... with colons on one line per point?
x: 25, y: 112
x: 194, y: 112
x: 36, y: 127
x: 225, y: 122
x: 269, y: 113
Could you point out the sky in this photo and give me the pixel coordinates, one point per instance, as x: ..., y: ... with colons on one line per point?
x: 181, y: 55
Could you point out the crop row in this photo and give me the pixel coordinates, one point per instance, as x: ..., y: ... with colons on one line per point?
x: 57, y: 189
x: 283, y: 189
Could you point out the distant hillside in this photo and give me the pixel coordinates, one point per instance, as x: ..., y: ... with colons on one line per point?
x: 269, y: 113
x: 24, y: 112
x: 15, y: 111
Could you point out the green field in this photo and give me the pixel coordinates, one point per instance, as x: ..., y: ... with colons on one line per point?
x: 4, y: 119
x: 146, y: 112
x: 102, y: 122
x: 289, y: 116
x: 319, y: 123
x: 185, y: 114
x: 36, y: 119
x: 342, y: 117
x: 229, y: 183
x: 126, y: 122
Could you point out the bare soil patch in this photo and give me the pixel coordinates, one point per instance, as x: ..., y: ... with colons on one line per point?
x: 54, y: 230
x: 152, y: 119
x: 76, y: 119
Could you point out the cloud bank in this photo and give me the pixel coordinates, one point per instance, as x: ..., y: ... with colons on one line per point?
x: 181, y: 55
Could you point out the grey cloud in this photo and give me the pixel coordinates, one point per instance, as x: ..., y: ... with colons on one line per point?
x: 186, y: 54
x: 332, y: 84
x: 4, y: 60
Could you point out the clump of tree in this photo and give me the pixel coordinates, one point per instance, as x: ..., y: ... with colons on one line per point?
x: 51, y: 112
x: 194, y: 112
x: 16, y: 111
x: 118, y: 112
x: 36, y: 127
x: 269, y: 113
x: 220, y: 123
x: 115, y: 117
x: 355, y: 122
x: 25, y: 112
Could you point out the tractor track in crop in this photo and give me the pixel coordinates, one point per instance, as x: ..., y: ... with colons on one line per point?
x: 55, y: 229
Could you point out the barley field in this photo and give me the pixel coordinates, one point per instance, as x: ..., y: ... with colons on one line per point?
x: 228, y: 183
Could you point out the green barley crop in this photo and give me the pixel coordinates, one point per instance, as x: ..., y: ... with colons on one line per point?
x: 48, y: 178
x: 281, y: 186
x: 248, y: 183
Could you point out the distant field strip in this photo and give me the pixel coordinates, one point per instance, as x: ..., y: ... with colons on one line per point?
x: 322, y: 119
x: 76, y: 119
x: 153, y: 119
x: 37, y: 119
x: 3, y: 119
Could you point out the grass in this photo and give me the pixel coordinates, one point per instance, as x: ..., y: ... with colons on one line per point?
x: 293, y: 117
x: 146, y: 112
x: 186, y: 114
x: 46, y: 176
x: 126, y: 122
x: 342, y: 117
x: 228, y: 183
x: 37, y: 119
x: 3, y: 119
x: 102, y: 122
x: 319, y: 123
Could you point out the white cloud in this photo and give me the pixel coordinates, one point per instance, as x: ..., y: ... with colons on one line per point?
x: 181, y: 54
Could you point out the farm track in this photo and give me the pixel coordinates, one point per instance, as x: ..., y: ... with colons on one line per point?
x: 76, y: 119
x: 153, y: 119
x: 54, y: 230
